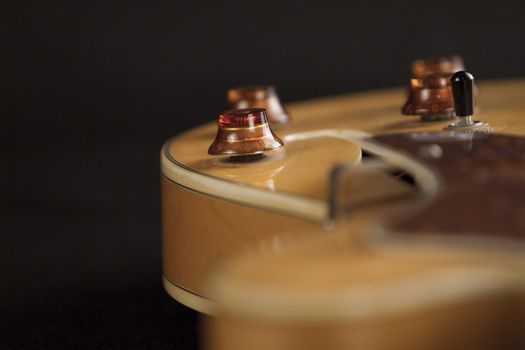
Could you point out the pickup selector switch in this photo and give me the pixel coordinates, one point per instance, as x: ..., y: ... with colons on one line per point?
x: 463, y: 92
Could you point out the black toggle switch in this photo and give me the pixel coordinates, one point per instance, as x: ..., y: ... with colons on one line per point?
x: 462, y: 89
x: 463, y: 92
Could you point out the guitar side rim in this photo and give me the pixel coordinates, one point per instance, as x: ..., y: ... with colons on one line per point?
x: 188, y: 298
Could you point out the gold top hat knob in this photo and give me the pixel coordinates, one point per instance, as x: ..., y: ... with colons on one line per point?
x: 259, y: 97
x: 244, y: 132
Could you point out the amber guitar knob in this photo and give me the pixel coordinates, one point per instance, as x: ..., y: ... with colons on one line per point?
x: 259, y: 97
x: 243, y: 132
x: 437, y: 65
x: 431, y: 98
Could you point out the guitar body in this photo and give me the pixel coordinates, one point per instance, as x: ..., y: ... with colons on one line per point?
x: 369, y: 229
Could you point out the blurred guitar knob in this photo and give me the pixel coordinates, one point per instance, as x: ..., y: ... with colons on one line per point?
x: 431, y: 98
x: 259, y: 97
x: 439, y: 65
x: 243, y: 132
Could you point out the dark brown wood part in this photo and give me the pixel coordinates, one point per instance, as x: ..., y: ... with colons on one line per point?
x: 483, y: 183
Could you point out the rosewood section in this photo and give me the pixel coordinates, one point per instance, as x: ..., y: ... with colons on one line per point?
x: 483, y: 183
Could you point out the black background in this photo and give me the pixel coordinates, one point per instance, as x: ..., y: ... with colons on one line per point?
x: 95, y: 88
